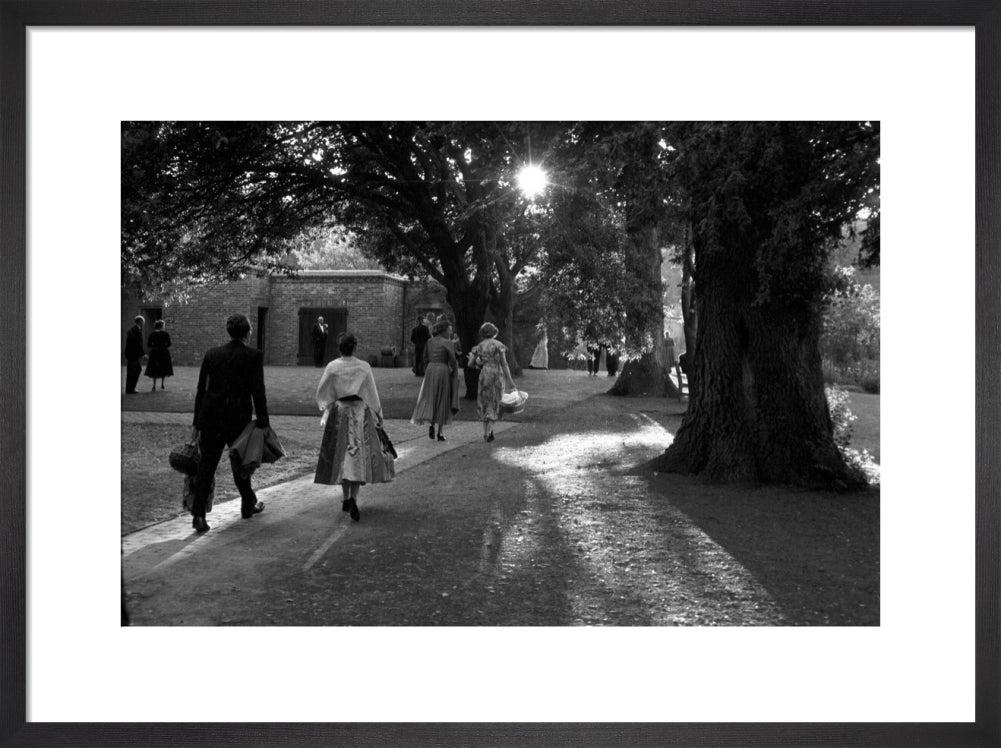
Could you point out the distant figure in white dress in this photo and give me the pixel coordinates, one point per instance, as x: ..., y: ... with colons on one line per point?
x: 540, y: 359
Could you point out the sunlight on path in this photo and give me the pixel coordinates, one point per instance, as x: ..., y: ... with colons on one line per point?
x: 638, y: 559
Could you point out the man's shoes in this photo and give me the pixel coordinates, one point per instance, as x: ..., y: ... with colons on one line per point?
x: 199, y: 524
x: 130, y: 392
x: 258, y: 508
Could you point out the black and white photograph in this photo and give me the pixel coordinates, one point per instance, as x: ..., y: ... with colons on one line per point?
x: 500, y: 373
x: 496, y: 375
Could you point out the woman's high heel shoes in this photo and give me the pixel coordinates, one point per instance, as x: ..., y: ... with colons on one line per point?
x: 431, y: 432
x: 351, y: 507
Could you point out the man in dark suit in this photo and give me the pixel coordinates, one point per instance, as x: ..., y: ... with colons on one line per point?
x: 319, y: 341
x: 230, y: 391
x: 593, y: 357
x: 419, y: 336
x: 133, y: 355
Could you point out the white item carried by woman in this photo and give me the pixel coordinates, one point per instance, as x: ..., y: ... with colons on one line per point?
x: 513, y: 402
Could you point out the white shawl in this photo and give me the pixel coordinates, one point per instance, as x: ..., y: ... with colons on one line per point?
x: 346, y: 376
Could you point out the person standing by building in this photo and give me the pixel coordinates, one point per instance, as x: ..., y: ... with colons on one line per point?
x: 133, y: 354
x: 593, y: 354
x: 160, y: 366
x: 351, y: 452
x: 419, y: 336
x: 489, y: 355
x: 438, y: 399
x: 319, y: 335
x: 230, y: 392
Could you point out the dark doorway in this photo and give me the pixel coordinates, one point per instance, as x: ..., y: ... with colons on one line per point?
x: 151, y: 314
x: 262, y: 327
x: 337, y: 322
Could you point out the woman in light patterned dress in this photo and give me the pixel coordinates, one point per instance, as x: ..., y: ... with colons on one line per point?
x: 495, y: 377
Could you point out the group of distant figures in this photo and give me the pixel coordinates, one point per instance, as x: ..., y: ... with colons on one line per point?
x: 598, y: 357
x: 159, y: 364
x: 438, y: 358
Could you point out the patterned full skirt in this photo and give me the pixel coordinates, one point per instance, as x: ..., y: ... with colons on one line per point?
x: 351, y: 449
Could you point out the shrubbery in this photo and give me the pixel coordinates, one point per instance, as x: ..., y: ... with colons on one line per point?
x: 849, y: 343
x: 842, y: 419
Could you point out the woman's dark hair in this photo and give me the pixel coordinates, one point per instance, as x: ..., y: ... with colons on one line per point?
x: 158, y: 325
x: 346, y: 343
x: 238, y: 326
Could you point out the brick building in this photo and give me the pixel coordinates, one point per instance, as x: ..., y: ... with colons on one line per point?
x: 379, y: 308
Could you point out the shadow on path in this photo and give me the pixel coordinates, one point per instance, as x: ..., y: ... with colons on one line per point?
x: 556, y: 523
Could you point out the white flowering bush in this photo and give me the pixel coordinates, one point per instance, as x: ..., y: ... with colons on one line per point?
x: 842, y: 419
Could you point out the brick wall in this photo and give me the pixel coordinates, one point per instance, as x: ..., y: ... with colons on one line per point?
x: 374, y: 302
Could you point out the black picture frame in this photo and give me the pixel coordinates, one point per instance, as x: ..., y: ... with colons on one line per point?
x: 17, y: 16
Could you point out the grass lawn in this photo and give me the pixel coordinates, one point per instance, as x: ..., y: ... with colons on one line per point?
x: 151, y: 489
x: 865, y: 431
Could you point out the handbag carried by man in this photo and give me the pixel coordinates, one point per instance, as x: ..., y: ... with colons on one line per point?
x: 184, y: 459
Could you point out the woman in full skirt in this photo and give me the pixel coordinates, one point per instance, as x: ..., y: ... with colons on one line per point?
x: 351, y: 453
x: 160, y: 366
x: 438, y: 399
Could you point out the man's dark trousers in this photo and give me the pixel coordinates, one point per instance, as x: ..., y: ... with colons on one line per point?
x: 212, y: 444
x: 133, y: 370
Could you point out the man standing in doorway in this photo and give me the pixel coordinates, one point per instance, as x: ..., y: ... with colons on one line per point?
x: 419, y: 337
x: 319, y: 341
x: 133, y: 354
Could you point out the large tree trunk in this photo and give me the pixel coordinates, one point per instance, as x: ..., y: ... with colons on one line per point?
x: 502, y: 307
x: 647, y: 376
x: 470, y: 307
x: 757, y: 409
x: 688, y: 316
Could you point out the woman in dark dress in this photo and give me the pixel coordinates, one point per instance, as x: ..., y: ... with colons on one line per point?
x: 159, y: 365
x: 438, y: 400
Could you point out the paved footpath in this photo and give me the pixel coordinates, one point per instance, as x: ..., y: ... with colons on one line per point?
x: 157, y: 547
